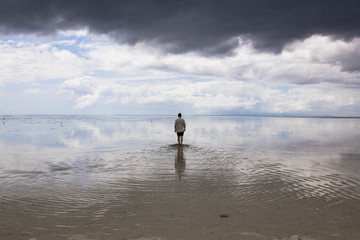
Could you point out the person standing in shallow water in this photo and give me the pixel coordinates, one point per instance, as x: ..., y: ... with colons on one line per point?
x: 180, y: 127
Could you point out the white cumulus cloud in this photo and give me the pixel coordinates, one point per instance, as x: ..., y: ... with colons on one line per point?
x: 316, y: 75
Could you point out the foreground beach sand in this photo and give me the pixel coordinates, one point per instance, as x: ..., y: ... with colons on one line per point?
x: 190, y: 215
x: 83, y: 183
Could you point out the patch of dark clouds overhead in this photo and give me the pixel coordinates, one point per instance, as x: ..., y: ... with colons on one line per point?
x: 209, y: 27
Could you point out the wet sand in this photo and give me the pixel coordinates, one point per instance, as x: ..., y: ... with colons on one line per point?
x: 254, y: 179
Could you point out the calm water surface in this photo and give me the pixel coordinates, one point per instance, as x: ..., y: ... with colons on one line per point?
x: 123, y: 177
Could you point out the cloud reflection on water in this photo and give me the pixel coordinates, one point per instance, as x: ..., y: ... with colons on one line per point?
x: 51, y: 137
x: 60, y: 166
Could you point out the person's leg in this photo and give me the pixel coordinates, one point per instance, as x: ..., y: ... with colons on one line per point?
x: 181, y: 139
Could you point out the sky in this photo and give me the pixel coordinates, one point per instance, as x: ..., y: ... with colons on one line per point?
x: 152, y: 57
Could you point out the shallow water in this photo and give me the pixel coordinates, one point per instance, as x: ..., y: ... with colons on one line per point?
x: 123, y: 177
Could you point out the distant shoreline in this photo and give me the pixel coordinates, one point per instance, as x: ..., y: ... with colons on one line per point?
x: 190, y: 115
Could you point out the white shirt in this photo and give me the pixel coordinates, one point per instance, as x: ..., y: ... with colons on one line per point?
x: 180, y: 125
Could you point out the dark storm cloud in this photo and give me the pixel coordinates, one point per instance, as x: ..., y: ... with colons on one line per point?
x: 180, y: 26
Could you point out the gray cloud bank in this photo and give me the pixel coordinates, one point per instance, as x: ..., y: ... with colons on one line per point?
x: 209, y: 27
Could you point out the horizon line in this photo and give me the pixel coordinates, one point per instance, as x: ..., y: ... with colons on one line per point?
x: 194, y: 115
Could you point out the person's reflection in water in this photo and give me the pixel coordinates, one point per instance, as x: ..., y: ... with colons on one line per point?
x: 180, y: 161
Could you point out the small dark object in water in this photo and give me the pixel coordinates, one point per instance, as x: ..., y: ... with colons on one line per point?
x: 224, y: 215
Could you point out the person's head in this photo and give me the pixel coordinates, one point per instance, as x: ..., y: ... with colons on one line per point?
x: 179, y: 115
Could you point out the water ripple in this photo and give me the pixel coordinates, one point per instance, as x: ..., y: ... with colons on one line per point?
x: 252, y: 178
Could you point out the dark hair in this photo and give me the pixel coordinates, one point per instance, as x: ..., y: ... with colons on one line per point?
x: 179, y: 115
